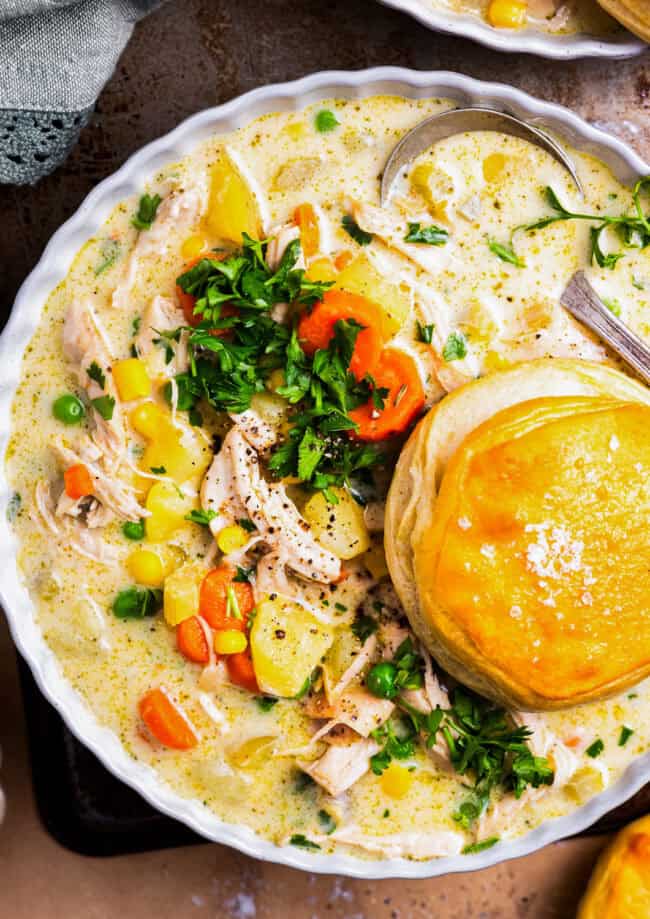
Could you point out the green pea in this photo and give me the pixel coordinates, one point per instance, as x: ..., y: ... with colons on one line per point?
x: 68, y: 409
x: 381, y: 680
x: 133, y: 530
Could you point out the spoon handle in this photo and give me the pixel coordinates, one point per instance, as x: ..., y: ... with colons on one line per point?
x: 582, y: 301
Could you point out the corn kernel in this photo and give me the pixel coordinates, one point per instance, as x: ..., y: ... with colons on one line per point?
x: 493, y: 166
x: 507, y: 14
x: 232, y: 538
x: 131, y: 379
x: 396, y: 781
x: 193, y: 247
x: 495, y: 361
x: 148, y: 418
x: 230, y: 641
x: 145, y: 567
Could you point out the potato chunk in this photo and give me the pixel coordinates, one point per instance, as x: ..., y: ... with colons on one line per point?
x: 361, y: 277
x: 338, y: 527
x: 232, y: 208
x: 287, y: 642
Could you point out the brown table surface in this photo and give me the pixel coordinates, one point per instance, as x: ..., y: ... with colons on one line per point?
x: 185, y: 57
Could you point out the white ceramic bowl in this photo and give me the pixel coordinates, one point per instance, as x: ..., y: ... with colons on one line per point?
x: 530, y: 40
x: 53, y: 267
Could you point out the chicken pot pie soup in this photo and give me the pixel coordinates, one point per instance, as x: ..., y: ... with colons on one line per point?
x: 205, y: 434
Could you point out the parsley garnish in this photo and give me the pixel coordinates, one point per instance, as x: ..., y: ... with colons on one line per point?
x: 110, y: 252
x: 326, y: 821
x: 481, y: 846
x: 425, y: 333
x: 455, y: 347
x: 136, y: 322
x: 595, y: 749
x: 326, y: 121
x: 136, y: 603
x: 506, y: 253
x: 13, y: 506
x: 158, y: 470
x: 146, y: 213
x: 299, y: 840
x: 364, y: 626
x: 625, y: 735
x: 265, y: 703
x: 243, y: 575
x: 613, y: 305
x: 203, y: 518
x: 105, y: 406
x: 430, y: 236
x: 247, y: 524
x: 633, y: 229
x: 353, y: 229
x: 95, y: 372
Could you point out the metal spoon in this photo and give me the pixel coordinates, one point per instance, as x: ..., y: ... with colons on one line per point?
x: 458, y: 121
x: 582, y: 301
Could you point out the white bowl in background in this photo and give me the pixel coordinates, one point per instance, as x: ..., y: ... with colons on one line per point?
x: 530, y: 40
x: 52, y: 268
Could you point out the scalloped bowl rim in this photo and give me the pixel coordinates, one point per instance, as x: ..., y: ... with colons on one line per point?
x: 52, y: 268
x: 530, y: 41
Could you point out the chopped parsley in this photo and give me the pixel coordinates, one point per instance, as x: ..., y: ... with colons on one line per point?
x: 105, y: 406
x: 13, y: 506
x: 299, y: 840
x: 595, y: 749
x: 506, y: 253
x: 326, y: 121
x: 109, y: 252
x: 243, y: 575
x: 613, y: 305
x: 481, y: 846
x: 202, y: 518
x: 632, y: 229
x: 95, y: 372
x: 430, y: 236
x: 353, y: 229
x: 158, y: 470
x: 265, y: 703
x: 425, y: 333
x: 327, y: 822
x: 136, y: 603
x: 136, y: 322
x: 455, y: 347
x: 625, y: 735
x: 146, y: 213
x: 247, y: 524
x: 364, y: 626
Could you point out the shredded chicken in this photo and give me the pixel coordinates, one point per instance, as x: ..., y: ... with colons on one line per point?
x: 391, y: 228
x: 234, y: 487
x: 85, y: 343
x: 373, y: 516
x: 434, y: 312
x: 162, y: 315
x: 358, y: 665
x: 434, y: 844
x: 356, y: 708
x: 341, y: 766
x: 178, y: 214
x: 110, y: 492
x: 257, y: 431
x: 68, y: 531
x: 281, y: 238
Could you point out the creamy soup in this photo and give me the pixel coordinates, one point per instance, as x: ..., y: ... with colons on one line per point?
x: 199, y: 490
x: 583, y: 17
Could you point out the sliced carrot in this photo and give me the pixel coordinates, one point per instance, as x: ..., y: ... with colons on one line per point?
x: 572, y: 742
x: 316, y: 329
x: 221, y: 598
x: 343, y: 259
x: 78, y: 481
x: 241, y: 671
x: 166, y: 721
x: 398, y: 373
x: 307, y: 221
x: 191, y: 640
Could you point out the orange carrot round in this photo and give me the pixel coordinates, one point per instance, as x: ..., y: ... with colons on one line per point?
x: 316, y: 329
x: 343, y: 259
x: 191, y: 640
x: 241, y: 671
x: 78, y: 481
x: 165, y: 721
x: 223, y: 602
x: 398, y: 373
x: 305, y: 217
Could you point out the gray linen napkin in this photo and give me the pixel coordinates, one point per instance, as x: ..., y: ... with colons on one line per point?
x: 55, y: 57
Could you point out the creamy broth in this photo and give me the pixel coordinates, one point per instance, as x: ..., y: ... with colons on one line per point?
x: 479, y: 187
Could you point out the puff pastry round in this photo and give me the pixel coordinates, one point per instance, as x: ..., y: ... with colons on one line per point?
x: 517, y: 533
x: 620, y: 885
